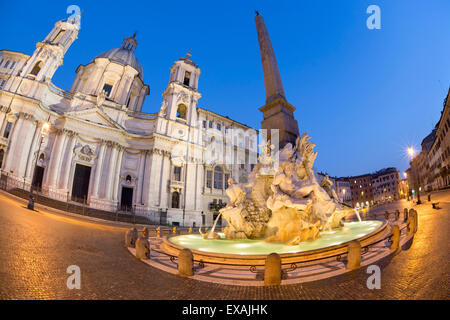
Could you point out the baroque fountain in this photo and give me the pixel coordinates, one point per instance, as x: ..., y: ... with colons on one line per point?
x: 282, y: 208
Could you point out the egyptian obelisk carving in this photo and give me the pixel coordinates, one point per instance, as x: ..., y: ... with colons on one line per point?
x: 277, y: 113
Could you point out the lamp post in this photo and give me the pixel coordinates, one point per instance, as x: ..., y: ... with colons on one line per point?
x: 416, y: 181
x: 44, y: 131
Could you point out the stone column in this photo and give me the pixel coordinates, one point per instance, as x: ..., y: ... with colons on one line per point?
x: 55, y: 158
x: 25, y: 140
x: 146, y: 183
x: 99, y: 168
x: 32, y: 152
x: 10, y: 156
x: 111, y: 167
x: 140, y: 179
x: 64, y: 181
x: 117, y: 169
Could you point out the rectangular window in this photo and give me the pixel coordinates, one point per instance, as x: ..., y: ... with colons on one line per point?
x: 187, y: 78
x: 218, y: 179
x: 226, y: 177
x: 204, y: 124
x: 2, y: 83
x: 209, y: 179
x: 219, y: 127
x: 107, y: 88
x: 58, y: 36
x: 177, y: 173
x: 7, y: 131
x: 210, y: 124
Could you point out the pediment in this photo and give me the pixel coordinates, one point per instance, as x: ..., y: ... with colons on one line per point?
x: 95, y: 116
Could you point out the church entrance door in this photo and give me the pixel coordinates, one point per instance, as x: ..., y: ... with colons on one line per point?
x: 38, y: 177
x: 80, y: 186
x: 126, y: 201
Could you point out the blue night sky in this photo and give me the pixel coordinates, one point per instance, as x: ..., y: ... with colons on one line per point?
x: 363, y: 95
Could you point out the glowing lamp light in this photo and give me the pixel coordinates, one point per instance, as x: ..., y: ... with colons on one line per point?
x: 45, y: 127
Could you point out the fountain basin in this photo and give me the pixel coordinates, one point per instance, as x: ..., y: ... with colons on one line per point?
x: 254, y: 252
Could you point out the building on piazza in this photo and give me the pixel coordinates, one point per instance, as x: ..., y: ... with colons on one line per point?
x: 171, y: 166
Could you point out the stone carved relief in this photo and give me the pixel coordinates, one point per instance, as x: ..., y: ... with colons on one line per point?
x: 183, y: 97
x: 85, y: 153
x: 101, y: 97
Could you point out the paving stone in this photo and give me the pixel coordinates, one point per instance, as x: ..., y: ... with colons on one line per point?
x: 37, y: 247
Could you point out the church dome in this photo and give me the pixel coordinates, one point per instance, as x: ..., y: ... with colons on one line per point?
x: 125, y: 55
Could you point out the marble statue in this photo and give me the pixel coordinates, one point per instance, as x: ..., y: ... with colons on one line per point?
x: 284, y: 204
x: 101, y: 97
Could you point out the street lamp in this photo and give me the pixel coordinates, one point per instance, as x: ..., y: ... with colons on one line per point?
x: 44, y: 131
x: 411, y: 153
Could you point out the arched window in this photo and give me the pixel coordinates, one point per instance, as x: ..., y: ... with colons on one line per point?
x: 175, y: 200
x: 181, y: 111
x: 2, y: 154
x: 37, y: 67
x: 218, y: 178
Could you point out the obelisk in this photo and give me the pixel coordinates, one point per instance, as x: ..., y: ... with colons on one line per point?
x: 277, y: 113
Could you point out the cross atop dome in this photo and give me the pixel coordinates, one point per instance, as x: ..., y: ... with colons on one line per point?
x: 188, y: 58
x: 130, y: 43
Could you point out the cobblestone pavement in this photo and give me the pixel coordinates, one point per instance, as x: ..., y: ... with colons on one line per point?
x: 37, y: 247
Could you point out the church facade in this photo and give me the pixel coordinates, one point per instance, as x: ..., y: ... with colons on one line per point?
x: 100, y: 148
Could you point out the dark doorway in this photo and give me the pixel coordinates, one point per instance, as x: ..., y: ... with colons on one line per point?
x: 162, y: 217
x: 126, y: 201
x: 38, y: 177
x: 219, y: 222
x: 175, y: 200
x: 80, y: 185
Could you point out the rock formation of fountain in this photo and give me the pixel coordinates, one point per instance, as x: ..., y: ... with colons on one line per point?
x: 284, y: 203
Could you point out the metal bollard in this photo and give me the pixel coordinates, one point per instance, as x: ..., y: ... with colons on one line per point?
x: 354, y: 255
x: 185, y: 263
x: 272, y: 270
x: 397, y: 214
x: 395, y: 237
x: 405, y: 214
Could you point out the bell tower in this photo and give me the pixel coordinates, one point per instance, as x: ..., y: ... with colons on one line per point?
x: 49, y: 53
x: 181, y: 94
